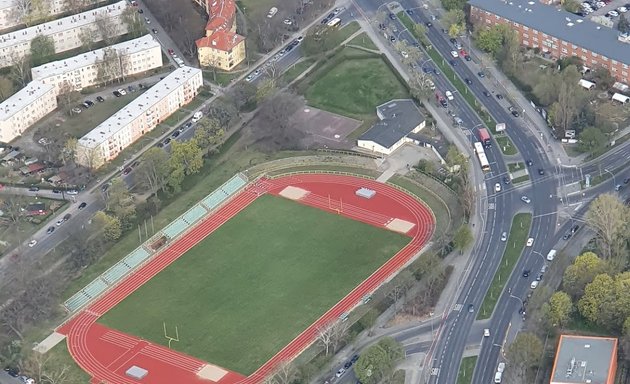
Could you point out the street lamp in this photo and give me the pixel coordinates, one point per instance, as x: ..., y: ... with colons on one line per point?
x: 612, y: 174
x: 541, y: 255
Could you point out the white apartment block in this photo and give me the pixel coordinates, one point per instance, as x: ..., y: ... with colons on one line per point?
x: 66, y: 32
x: 10, y: 11
x: 25, y: 108
x: 142, y: 115
x: 134, y: 56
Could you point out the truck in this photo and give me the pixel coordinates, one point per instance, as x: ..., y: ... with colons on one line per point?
x: 484, y: 137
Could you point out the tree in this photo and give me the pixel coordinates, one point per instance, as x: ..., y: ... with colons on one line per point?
x: 331, y: 335
x: 397, y: 287
x: 20, y: 68
x: 598, y: 294
x: 453, y: 4
x: 284, y: 373
x: 243, y: 96
x: 523, y: 355
x: 624, y: 341
x: 456, y: 159
x: 609, y: 217
x: 67, y: 97
x: 570, y: 99
x: 623, y: 26
x: 42, y: 50
x: 6, y: 88
x: 108, y: 225
x: 112, y: 66
x: 135, y: 25
x: 421, y: 86
x: 454, y: 17
x: 571, y: 6
x: 489, y: 40
x: 467, y: 194
x: 69, y: 150
x: 88, y: 37
x: 560, y: 308
x: 378, y: 361
x: 107, y: 28
x: 208, y: 133
x: 463, y: 238
x: 368, y: 320
x: 581, y: 272
x: 592, y: 140
x: 119, y: 201
x: 275, y: 128
x: 421, y: 34
x: 29, y: 12
x: 186, y: 154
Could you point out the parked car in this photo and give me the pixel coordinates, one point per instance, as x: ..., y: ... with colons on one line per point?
x: 526, y: 199
x: 50, y: 230
x: 175, y: 134
x: 72, y: 192
x: 31, y: 244
x: 155, y: 31
x: 76, y: 110
x: 167, y: 141
x: 82, y: 205
x: 100, y: 99
x: 481, y: 74
x: 67, y: 217
x: 504, y: 236
x: 33, y: 189
x: 127, y: 171
x: 117, y: 94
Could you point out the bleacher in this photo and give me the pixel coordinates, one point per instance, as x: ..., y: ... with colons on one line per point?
x: 195, y: 213
x: 140, y: 254
x: 175, y: 228
x: 136, y: 257
x: 112, y: 275
x: 92, y: 290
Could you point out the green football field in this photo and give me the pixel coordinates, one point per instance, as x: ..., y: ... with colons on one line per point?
x: 254, y: 284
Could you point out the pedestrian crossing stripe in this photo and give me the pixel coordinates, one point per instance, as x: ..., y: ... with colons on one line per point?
x: 458, y: 307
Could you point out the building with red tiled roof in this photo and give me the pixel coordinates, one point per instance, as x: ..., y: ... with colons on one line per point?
x: 222, y: 47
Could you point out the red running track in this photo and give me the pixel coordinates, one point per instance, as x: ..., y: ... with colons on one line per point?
x: 106, y: 354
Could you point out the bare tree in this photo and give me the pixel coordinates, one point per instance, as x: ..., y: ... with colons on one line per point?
x: 324, y: 337
x: 609, y: 217
x: 20, y: 68
x: 22, y: 11
x: 67, y: 97
x: 88, y: 37
x: 6, y: 88
x: 331, y: 335
x: 467, y: 195
x: 189, y: 45
x: 284, y: 373
x: 135, y: 25
x: 397, y: 288
x: 275, y: 128
x: 107, y: 28
x: 113, y: 66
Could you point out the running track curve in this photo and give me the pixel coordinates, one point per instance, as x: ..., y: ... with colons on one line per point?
x: 159, y: 360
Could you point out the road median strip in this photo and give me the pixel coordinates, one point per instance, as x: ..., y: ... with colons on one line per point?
x: 519, y: 231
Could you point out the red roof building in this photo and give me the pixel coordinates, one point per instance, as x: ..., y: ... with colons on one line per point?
x: 222, y: 47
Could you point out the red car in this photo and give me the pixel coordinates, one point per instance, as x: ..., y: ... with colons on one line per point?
x: 463, y: 52
x: 170, y: 51
x: 127, y: 171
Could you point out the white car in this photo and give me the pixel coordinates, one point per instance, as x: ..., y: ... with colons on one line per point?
x: 197, y: 116
x: 404, y: 54
x: 32, y: 243
x: 526, y: 199
x: 287, y: 21
x: 530, y: 242
x: 454, y: 54
x: 340, y: 372
x: 612, y: 13
x: 486, y: 332
x: 534, y: 284
x: 504, y: 236
x: 60, y: 221
x: 622, y: 9
x: 249, y: 78
x: 497, y: 187
x: 449, y: 95
x: 122, y: 91
x: 501, y: 367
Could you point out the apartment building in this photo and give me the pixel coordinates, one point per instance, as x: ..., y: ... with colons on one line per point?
x: 65, y: 32
x: 558, y: 33
x: 133, y: 56
x: 142, y: 115
x: 222, y: 47
x: 584, y: 360
x: 25, y: 108
x: 11, y: 12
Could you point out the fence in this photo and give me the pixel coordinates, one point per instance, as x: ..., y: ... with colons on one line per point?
x: 144, y: 252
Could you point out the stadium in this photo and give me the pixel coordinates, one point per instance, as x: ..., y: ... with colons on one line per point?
x: 243, y: 280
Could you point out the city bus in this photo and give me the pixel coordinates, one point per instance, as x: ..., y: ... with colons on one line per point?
x: 481, y: 155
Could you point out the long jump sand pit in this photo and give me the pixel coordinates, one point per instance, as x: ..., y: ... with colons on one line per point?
x: 294, y: 193
x: 399, y: 225
x: 212, y: 372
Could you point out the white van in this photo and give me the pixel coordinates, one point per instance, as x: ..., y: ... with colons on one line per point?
x: 551, y: 255
x: 497, y: 377
x: 272, y: 12
x: 197, y: 116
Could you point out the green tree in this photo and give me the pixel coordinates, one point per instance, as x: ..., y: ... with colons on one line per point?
x: 454, y: 158
x: 571, y: 6
x: 581, y: 272
x: 420, y: 32
x: 490, y: 40
x: 592, y: 140
x: 560, y: 308
x: 463, y: 238
x: 69, y: 150
x: 135, y: 25
x: 453, y: 4
x: 623, y: 26
x: 597, y: 295
x: 153, y: 169
x: 523, y: 355
x: 186, y: 154
x: 378, y: 361
x: 42, y: 50
x: 624, y: 340
x: 108, y: 225
x: 119, y: 201
x: 421, y: 86
x: 208, y: 133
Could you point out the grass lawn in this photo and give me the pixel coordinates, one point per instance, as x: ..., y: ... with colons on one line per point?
x: 506, y: 145
x: 88, y: 119
x: 355, y: 87
x: 466, y: 370
x: 513, y: 167
x: 176, y: 118
x: 519, y: 232
x: 256, y: 283
x: 296, y: 70
x: 201, y: 98
x: 363, y: 40
x: 520, y: 179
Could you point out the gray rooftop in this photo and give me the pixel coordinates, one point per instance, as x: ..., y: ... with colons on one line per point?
x: 583, y: 359
x: 398, y: 118
x: 558, y: 23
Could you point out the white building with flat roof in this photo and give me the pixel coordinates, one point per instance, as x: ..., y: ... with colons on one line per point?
x: 25, y: 108
x: 142, y: 115
x: 134, y: 56
x: 10, y: 11
x: 66, y: 32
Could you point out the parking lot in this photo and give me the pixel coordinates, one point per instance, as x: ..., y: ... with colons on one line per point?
x: 610, y: 9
